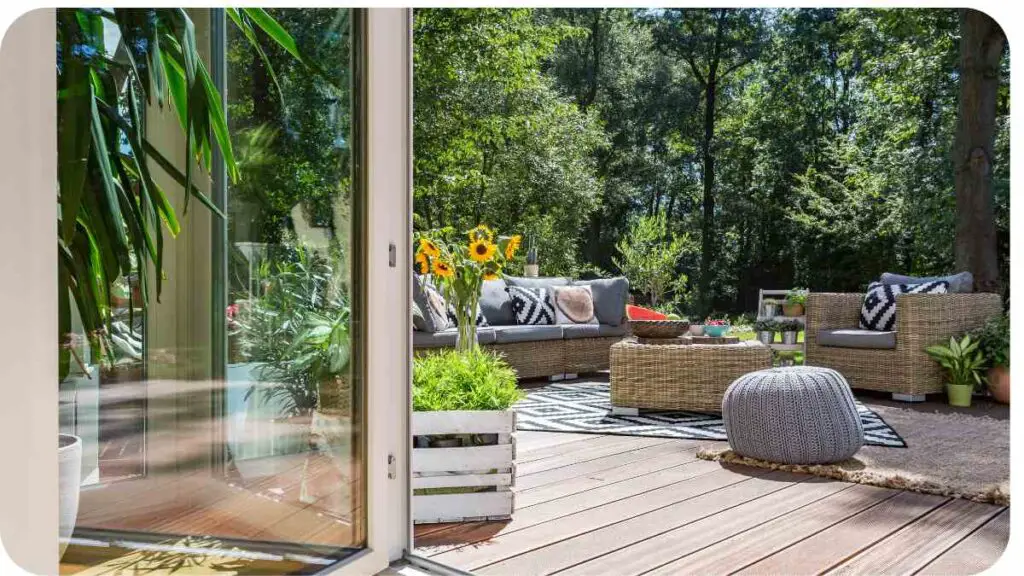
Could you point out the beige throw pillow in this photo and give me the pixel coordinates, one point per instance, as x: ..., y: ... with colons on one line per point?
x: 573, y: 305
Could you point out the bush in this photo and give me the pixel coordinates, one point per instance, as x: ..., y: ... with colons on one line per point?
x: 994, y: 340
x: 473, y: 380
x: 766, y: 325
x: 789, y: 326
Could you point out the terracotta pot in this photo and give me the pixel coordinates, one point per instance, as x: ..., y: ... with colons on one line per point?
x: 792, y: 309
x: 999, y: 383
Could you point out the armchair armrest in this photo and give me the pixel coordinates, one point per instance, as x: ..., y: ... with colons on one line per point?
x: 832, y: 310
x: 926, y: 319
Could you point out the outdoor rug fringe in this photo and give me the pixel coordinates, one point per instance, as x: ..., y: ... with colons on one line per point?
x: 854, y: 470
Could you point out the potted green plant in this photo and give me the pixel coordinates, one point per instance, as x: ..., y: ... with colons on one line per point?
x: 794, y: 303
x: 994, y: 343
x: 766, y: 329
x: 463, y: 429
x: 790, y: 329
x: 531, y: 268
x: 963, y: 363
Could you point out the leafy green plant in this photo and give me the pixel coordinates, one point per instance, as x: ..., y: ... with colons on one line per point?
x: 994, y: 340
x: 797, y: 296
x: 961, y: 359
x: 648, y: 255
x: 789, y: 326
x: 463, y: 380
x: 766, y: 325
x: 112, y: 213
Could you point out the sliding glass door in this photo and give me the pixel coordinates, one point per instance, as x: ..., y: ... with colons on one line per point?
x: 215, y: 413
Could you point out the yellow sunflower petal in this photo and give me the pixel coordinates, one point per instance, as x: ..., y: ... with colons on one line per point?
x: 482, y: 251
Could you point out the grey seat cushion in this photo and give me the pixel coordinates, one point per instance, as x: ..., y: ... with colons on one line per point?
x: 541, y: 282
x: 856, y: 338
x: 573, y: 331
x: 619, y: 330
x: 610, y: 298
x: 962, y: 283
x: 431, y: 318
x: 508, y: 334
x: 446, y: 338
x: 496, y: 304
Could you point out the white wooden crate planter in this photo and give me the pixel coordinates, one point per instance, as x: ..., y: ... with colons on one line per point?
x: 463, y: 483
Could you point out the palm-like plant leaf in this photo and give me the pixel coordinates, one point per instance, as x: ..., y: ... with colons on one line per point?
x: 112, y: 212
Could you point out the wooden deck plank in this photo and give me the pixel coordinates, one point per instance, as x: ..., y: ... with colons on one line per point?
x: 509, y: 544
x: 584, y: 453
x: 845, y: 539
x: 745, y: 548
x: 913, y: 547
x: 976, y: 553
x: 531, y: 441
x: 526, y: 482
x: 626, y: 471
x: 553, y: 450
x: 526, y: 517
x: 580, y: 549
x: 653, y: 553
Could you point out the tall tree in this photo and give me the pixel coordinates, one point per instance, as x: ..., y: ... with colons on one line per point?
x: 714, y: 44
x: 982, y: 42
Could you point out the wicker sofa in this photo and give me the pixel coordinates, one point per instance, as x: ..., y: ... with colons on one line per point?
x: 899, y: 365
x: 550, y: 351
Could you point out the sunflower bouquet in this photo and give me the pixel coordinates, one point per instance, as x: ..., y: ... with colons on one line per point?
x: 460, y: 268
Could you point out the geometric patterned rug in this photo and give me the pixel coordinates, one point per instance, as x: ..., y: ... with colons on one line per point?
x: 584, y: 407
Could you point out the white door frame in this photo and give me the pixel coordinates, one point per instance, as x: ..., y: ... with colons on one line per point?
x: 388, y: 128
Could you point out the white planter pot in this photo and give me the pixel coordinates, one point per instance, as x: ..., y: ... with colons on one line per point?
x: 789, y: 337
x: 69, y: 464
x: 531, y: 270
x: 466, y: 467
x: 79, y: 416
x: 696, y: 330
x: 255, y: 427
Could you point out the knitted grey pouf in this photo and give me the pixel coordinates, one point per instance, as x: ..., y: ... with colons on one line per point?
x: 794, y: 415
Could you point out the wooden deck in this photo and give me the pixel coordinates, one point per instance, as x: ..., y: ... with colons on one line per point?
x: 589, y: 504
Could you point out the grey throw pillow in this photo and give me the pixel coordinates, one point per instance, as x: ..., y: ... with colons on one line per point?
x: 962, y: 283
x: 610, y: 298
x: 433, y: 316
x: 496, y: 304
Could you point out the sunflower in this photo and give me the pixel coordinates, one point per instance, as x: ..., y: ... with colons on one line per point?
x: 481, y: 250
x: 481, y: 232
x: 443, y: 269
x: 512, y: 246
x: 422, y: 264
x: 428, y: 248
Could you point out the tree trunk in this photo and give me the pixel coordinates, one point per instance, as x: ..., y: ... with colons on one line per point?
x: 981, y: 48
x: 707, y: 237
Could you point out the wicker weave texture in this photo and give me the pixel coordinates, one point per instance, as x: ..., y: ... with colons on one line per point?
x: 549, y: 357
x: 583, y: 355
x: 921, y: 321
x: 794, y: 415
x: 686, y: 377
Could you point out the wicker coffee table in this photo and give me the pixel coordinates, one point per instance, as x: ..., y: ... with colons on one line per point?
x: 679, y: 376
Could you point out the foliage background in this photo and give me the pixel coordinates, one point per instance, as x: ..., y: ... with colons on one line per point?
x: 832, y: 138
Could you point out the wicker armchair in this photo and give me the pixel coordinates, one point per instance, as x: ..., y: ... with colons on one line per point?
x: 921, y: 320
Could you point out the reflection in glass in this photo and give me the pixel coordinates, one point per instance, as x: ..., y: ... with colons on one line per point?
x: 247, y: 449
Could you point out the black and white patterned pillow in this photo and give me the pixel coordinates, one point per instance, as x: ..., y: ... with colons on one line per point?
x: 454, y: 321
x: 532, y: 306
x: 879, y: 309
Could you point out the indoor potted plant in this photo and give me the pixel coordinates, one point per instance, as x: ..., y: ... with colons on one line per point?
x: 794, y: 303
x: 463, y: 428
x: 994, y: 343
x: 963, y: 363
x: 716, y: 328
x: 766, y: 329
x: 790, y: 328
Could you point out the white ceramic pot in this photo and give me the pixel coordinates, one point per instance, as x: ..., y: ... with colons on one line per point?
x: 531, y: 270
x: 69, y: 462
x: 696, y: 330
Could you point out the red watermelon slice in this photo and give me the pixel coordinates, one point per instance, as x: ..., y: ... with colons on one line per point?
x: 641, y: 313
